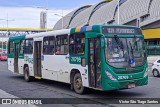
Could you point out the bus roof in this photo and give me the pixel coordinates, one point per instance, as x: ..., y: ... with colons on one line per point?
x: 17, y: 37
x: 50, y: 33
x: 96, y: 28
x: 120, y: 25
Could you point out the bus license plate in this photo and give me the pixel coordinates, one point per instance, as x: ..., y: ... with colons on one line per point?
x: 131, y: 86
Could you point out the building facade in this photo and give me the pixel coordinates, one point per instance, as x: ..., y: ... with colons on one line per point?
x: 142, y: 13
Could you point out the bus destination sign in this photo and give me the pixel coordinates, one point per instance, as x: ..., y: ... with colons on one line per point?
x: 120, y: 30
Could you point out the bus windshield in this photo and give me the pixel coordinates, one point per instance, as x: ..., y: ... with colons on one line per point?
x: 124, y: 52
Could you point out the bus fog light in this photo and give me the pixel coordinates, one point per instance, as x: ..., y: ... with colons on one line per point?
x: 146, y: 72
x: 110, y: 76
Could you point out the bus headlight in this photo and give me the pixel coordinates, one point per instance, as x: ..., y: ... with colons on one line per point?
x: 146, y: 72
x: 110, y: 76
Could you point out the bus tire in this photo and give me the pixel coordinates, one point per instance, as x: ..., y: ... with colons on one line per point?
x: 27, y: 77
x: 77, y: 84
x: 155, y: 73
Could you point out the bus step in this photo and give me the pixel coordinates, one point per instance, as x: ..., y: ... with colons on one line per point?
x: 37, y: 77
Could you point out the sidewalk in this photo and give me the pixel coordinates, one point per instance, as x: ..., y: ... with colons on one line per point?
x: 4, y: 95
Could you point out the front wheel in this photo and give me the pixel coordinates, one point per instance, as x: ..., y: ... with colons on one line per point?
x: 155, y: 73
x: 77, y: 84
x: 27, y: 77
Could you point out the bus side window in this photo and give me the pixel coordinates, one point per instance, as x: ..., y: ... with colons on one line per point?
x: 77, y: 44
x: 28, y: 46
x: 62, y: 45
x: 51, y: 45
x: 11, y: 47
x: 48, y: 45
x: 22, y: 47
x: 45, y: 44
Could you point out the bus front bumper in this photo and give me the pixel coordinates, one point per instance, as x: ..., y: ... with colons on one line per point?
x: 117, y: 85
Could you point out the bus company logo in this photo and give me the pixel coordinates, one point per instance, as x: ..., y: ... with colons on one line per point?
x: 29, y: 60
x: 6, y: 101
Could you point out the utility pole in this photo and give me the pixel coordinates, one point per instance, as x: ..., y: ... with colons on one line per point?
x: 7, y: 20
x: 118, y: 11
x: 61, y: 17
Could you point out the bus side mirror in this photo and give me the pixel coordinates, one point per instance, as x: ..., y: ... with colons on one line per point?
x: 102, y: 43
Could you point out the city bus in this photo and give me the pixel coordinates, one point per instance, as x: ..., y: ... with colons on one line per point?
x: 101, y: 57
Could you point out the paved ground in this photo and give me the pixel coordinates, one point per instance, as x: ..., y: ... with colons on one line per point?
x: 14, y: 85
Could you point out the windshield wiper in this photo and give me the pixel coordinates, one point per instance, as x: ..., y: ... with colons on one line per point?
x: 135, y: 42
x: 118, y: 41
x: 131, y: 55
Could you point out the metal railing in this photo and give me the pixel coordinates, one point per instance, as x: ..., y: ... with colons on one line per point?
x: 153, y: 49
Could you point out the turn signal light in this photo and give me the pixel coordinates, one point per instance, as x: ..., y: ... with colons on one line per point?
x: 83, y: 62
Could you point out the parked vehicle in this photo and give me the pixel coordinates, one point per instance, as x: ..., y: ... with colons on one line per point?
x: 156, y: 68
x: 3, y: 56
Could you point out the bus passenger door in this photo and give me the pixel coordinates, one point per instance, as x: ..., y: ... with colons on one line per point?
x: 94, y: 63
x: 16, y: 58
x: 37, y: 59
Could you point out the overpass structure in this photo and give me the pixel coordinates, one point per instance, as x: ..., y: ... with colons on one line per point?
x: 142, y: 13
x: 7, y: 32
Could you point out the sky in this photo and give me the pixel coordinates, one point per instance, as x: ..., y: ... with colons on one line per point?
x: 26, y: 13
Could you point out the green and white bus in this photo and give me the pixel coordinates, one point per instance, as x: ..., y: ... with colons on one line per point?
x: 102, y: 57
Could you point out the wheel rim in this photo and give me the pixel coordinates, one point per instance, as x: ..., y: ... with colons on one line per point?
x: 78, y: 83
x: 155, y: 73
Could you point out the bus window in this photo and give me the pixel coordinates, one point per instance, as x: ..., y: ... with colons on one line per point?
x: 28, y: 46
x: 11, y: 47
x: 22, y: 47
x: 62, y: 44
x: 77, y: 44
x: 48, y: 45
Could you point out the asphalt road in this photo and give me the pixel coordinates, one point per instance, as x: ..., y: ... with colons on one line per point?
x: 14, y: 84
